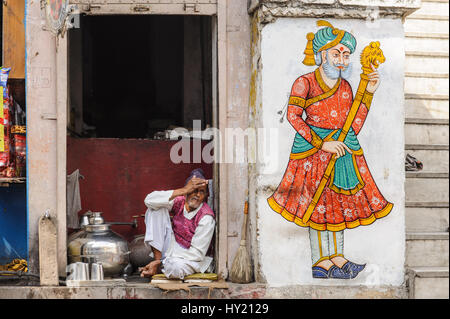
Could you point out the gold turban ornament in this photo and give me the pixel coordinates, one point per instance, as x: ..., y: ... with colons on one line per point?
x: 309, y: 52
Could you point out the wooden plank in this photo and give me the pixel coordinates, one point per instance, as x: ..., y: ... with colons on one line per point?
x: 48, y: 264
x: 61, y: 152
x: 143, y: 9
x: 14, y: 38
x: 222, y: 121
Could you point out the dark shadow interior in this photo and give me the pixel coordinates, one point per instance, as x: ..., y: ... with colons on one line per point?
x: 134, y: 76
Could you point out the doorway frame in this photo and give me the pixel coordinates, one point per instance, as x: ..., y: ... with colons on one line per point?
x: 219, y: 80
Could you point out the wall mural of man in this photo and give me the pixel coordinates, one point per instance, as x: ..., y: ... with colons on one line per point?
x: 350, y: 196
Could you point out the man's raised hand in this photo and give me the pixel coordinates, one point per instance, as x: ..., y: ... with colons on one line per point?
x: 190, y: 187
x: 195, y: 183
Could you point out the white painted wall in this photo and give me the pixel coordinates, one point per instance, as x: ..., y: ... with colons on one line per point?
x: 284, y: 247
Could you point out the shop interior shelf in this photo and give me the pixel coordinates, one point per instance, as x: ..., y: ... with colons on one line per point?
x: 5, y: 181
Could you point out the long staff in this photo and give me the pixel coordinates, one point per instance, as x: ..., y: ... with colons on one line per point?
x: 347, y: 125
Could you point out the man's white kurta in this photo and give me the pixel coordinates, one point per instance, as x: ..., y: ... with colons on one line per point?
x: 177, y: 261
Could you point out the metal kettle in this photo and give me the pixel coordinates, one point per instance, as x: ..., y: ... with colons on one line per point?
x: 96, y: 242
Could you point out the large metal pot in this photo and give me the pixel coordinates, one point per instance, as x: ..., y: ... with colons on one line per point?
x: 96, y: 242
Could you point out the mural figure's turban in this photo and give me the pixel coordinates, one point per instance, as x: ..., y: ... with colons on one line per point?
x: 326, y: 38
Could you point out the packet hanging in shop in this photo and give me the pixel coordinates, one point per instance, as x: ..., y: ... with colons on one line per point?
x: 19, y: 144
x: 4, y: 120
x: 4, y: 74
x: 4, y: 157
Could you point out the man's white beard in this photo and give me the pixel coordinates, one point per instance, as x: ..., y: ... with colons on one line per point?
x: 193, y: 204
x: 334, y: 73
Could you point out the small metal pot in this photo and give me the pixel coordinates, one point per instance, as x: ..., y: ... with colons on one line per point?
x: 140, y: 253
x: 84, y: 219
x: 95, y: 218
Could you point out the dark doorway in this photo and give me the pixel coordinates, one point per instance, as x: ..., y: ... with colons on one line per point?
x: 140, y: 75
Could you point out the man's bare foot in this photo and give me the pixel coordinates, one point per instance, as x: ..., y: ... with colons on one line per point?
x: 339, y: 261
x: 151, y: 269
x: 325, y: 264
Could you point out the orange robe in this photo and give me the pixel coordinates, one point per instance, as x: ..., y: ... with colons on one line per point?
x: 337, y: 209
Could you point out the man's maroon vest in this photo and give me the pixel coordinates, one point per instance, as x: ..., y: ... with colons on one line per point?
x: 183, y: 228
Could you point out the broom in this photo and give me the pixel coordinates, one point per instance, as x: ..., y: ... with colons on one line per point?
x: 241, y: 270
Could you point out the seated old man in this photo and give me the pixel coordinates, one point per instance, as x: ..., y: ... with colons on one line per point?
x: 179, y: 246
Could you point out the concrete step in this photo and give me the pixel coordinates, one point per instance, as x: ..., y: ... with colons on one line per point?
x: 426, y: 132
x: 433, y: 161
x: 421, y: 62
x: 428, y: 282
x: 427, y: 249
x: 426, y: 108
x: 426, y: 23
x: 413, y: 42
x: 427, y: 219
x: 426, y: 188
x: 429, y: 85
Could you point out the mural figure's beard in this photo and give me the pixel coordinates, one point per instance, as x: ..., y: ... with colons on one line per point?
x: 333, y: 72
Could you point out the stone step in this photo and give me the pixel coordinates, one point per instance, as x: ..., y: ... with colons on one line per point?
x: 426, y: 189
x: 426, y: 108
x: 435, y: 86
x: 427, y: 249
x: 426, y: 75
x: 427, y: 219
x: 421, y: 64
x: 424, y: 147
x: 433, y: 161
x: 427, y: 204
x: 425, y: 17
x: 426, y: 23
x: 430, y: 175
x: 425, y: 121
x: 428, y: 282
x: 431, y: 8
x: 427, y: 35
x: 428, y: 54
x: 436, y: 147
x: 426, y: 133
x: 430, y: 44
x: 422, y: 96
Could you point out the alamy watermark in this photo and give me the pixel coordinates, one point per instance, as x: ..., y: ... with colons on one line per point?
x: 230, y: 145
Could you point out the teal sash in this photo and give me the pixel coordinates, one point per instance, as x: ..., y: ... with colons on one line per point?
x: 345, y: 175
